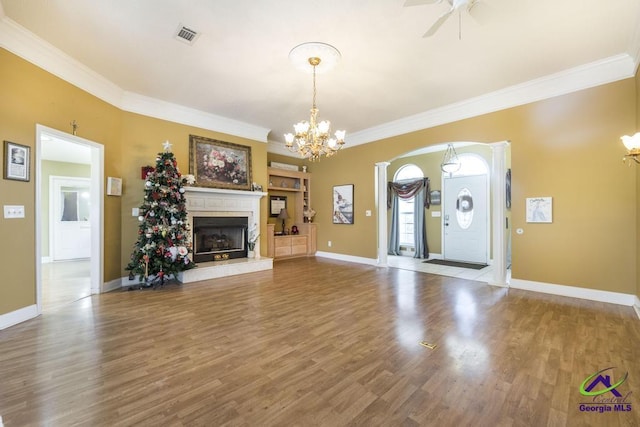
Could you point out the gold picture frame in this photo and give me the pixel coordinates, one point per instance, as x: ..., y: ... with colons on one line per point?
x: 219, y: 164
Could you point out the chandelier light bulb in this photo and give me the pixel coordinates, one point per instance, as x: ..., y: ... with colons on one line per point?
x: 631, y: 142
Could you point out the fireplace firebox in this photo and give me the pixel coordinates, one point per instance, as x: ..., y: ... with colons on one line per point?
x: 219, y: 238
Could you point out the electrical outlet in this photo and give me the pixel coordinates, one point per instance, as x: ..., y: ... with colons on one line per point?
x: 13, y: 211
x: 329, y: 243
x: 135, y: 211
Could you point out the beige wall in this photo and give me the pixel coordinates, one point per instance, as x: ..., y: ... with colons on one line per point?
x: 636, y: 129
x: 49, y: 169
x: 32, y: 96
x: 566, y: 147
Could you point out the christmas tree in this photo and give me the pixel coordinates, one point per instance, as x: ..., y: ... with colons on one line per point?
x: 164, y: 241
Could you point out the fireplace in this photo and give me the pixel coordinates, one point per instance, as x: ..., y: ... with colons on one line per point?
x: 215, y: 203
x: 218, y: 238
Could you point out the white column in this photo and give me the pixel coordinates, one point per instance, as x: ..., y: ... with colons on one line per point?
x: 498, y: 183
x: 381, y: 202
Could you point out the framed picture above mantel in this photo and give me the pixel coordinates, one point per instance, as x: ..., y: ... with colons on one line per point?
x: 219, y: 164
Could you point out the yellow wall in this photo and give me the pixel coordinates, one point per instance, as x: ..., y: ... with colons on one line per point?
x: 566, y: 147
x: 32, y: 96
x: 636, y: 129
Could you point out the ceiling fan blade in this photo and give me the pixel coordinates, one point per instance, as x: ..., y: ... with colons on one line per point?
x: 408, y: 3
x: 480, y: 11
x: 436, y: 25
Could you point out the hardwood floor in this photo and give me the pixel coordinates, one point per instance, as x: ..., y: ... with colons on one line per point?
x: 319, y: 342
x: 64, y: 283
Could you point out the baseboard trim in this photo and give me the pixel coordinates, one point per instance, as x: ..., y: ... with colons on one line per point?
x: 18, y: 316
x: 574, y: 292
x: 112, y: 285
x: 636, y: 307
x: 348, y: 258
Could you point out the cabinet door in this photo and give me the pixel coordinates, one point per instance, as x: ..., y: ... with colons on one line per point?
x: 298, y: 245
x: 282, y: 246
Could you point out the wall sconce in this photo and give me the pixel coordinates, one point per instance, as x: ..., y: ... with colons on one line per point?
x: 633, y: 147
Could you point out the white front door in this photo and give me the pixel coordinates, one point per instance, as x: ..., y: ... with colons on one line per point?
x: 70, y: 218
x: 464, y: 218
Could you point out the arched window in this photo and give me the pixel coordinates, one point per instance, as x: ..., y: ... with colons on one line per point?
x: 409, y: 172
x: 471, y: 164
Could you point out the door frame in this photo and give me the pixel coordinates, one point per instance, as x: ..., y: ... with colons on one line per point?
x: 97, y: 208
x: 497, y: 177
x: 55, y: 182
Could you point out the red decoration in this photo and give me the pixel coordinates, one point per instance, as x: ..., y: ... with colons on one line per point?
x: 145, y: 170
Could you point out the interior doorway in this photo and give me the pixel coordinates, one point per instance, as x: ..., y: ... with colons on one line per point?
x: 69, y: 218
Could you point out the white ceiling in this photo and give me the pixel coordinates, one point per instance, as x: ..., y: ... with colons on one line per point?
x: 238, y: 67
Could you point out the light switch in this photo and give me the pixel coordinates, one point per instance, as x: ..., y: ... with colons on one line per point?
x: 13, y: 211
x: 436, y: 214
x: 135, y: 211
x: 367, y: 212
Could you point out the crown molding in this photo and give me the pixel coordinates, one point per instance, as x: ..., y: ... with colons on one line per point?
x: 583, y: 77
x: 23, y: 43
x: 634, y: 44
x: 159, y: 109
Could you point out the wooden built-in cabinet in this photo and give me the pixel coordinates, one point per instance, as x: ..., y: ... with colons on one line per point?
x: 297, y: 187
x: 292, y: 245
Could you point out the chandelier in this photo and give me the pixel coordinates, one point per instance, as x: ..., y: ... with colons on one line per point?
x: 450, y: 161
x: 312, y: 139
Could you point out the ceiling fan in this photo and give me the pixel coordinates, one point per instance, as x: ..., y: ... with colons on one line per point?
x: 456, y: 5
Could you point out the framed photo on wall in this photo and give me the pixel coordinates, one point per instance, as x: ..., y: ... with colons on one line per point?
x: 343, y: 204
x: 219, y: 164
x: 276, y: 204
x: 16, y: 161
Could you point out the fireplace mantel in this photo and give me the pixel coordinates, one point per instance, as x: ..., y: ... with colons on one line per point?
x: 222, y: 202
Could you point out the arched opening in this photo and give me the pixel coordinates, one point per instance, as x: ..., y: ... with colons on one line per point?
x: 497, y: 161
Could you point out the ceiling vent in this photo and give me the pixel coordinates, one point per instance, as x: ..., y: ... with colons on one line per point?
x: 186, y: 35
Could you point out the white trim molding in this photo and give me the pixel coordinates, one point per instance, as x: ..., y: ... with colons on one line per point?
x: 18, y: 316
x: 594, y: 74
x: 348, y: 258
x: 28, y: 46
x: 575, y: 292
x: 111, y: 285
x: 636, y: 306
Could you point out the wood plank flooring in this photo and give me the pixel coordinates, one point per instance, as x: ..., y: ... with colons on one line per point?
x: 318, y: 342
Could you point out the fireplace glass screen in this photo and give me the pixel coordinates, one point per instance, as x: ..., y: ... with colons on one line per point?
x: 219, y: 238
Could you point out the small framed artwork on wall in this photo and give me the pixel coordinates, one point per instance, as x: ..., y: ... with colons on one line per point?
x: 343, y: 204
x: 540, y: 209
x: 16, y: 161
